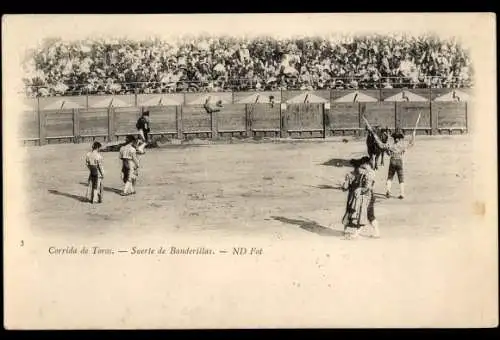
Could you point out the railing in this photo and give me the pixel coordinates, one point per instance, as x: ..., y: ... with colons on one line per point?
x: 245, y: 84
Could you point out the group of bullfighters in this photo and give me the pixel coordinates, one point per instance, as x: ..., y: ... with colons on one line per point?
x: 359, y: 218
x: 128, y: 151
x: 129, y: 162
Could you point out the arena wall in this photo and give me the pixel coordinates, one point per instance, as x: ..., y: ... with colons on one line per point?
x: 263, y: 120
x: 303, y: 120
x: 450, y: 116
x: 232, y: 120
x: 195, y: 122
x: 380, y: 113
x: 407, y: 114
x: 165, y: 119
x: 342, y: 117
x: 285, y: 114
x: 93, y: 123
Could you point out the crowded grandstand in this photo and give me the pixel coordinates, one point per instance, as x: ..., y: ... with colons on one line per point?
x: 122, y: 66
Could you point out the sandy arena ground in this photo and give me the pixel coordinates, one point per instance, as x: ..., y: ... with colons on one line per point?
x: 266, y: 188
x: 433, y: 265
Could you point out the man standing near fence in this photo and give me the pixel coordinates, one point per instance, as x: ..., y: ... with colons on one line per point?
x: 143, y: 129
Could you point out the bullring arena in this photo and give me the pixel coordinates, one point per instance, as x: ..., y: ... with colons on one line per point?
x: 246, y: 178
x: 265, y: 172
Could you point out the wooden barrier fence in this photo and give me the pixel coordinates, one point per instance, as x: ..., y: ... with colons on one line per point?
x: 238, y: 119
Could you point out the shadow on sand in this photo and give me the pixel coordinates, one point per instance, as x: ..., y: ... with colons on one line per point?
x: 107, y: 189
x: 339, y: 163
x: 331, y: 187
x: 325, y: 186
x: 379, y: 195
x: 154, y: 145
x: 64, y: 194
x: 310, y: 226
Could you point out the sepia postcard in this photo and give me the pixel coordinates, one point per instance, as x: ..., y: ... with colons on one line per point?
x: 228, y: 171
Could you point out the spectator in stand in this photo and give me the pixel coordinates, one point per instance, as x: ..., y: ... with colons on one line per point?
x: 227, y: 63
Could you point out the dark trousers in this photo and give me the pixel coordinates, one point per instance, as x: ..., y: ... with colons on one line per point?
x: 396, y: 167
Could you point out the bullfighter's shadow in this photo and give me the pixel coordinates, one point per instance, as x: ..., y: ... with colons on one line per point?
x: 107, y: 189
x: 331, y: 187
x: 155, y: 144
x: 116, y: 146
x: 346, y: 163
x: 310, y: 226
x: 339, y: 163
x: 65, y: 194
x: 326, y: 186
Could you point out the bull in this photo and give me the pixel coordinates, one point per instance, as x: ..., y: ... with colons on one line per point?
x: 374, y: 151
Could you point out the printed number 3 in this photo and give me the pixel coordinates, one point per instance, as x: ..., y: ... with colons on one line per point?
x: 22, y: 243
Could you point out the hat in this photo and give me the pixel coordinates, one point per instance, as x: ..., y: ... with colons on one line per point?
x: 359, y: 161
x: 355, y: 162
x: 129, y: 138
x: 365, y: 160
x: 398, y: 134
x: 145, y: 113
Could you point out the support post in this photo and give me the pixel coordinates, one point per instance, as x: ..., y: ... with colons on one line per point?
x: 76, y: 126
x: 178, y: 120
x: 248, y: 119
x: 42, y: 124
x: 214, y: 116
x: 111, y: 124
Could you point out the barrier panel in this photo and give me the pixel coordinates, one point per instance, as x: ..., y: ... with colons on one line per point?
x: 304, y: 120
x: 381, y: 113
x: 164, y: 118
x: 264, y: 120
x: 93, y: 122
x: 124, y: 121
x: 196, y: 121
x: 59, y: 124
x: 342, y: 117
x: 450, y: 116
x: 232, y: 119
x: 407, y: 114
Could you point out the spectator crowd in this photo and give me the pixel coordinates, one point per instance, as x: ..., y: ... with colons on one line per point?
x: 242, y: 64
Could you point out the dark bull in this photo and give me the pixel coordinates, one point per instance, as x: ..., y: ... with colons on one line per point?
x: 374, y: 151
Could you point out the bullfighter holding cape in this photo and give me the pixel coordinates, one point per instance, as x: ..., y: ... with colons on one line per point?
x: 360, y: 208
